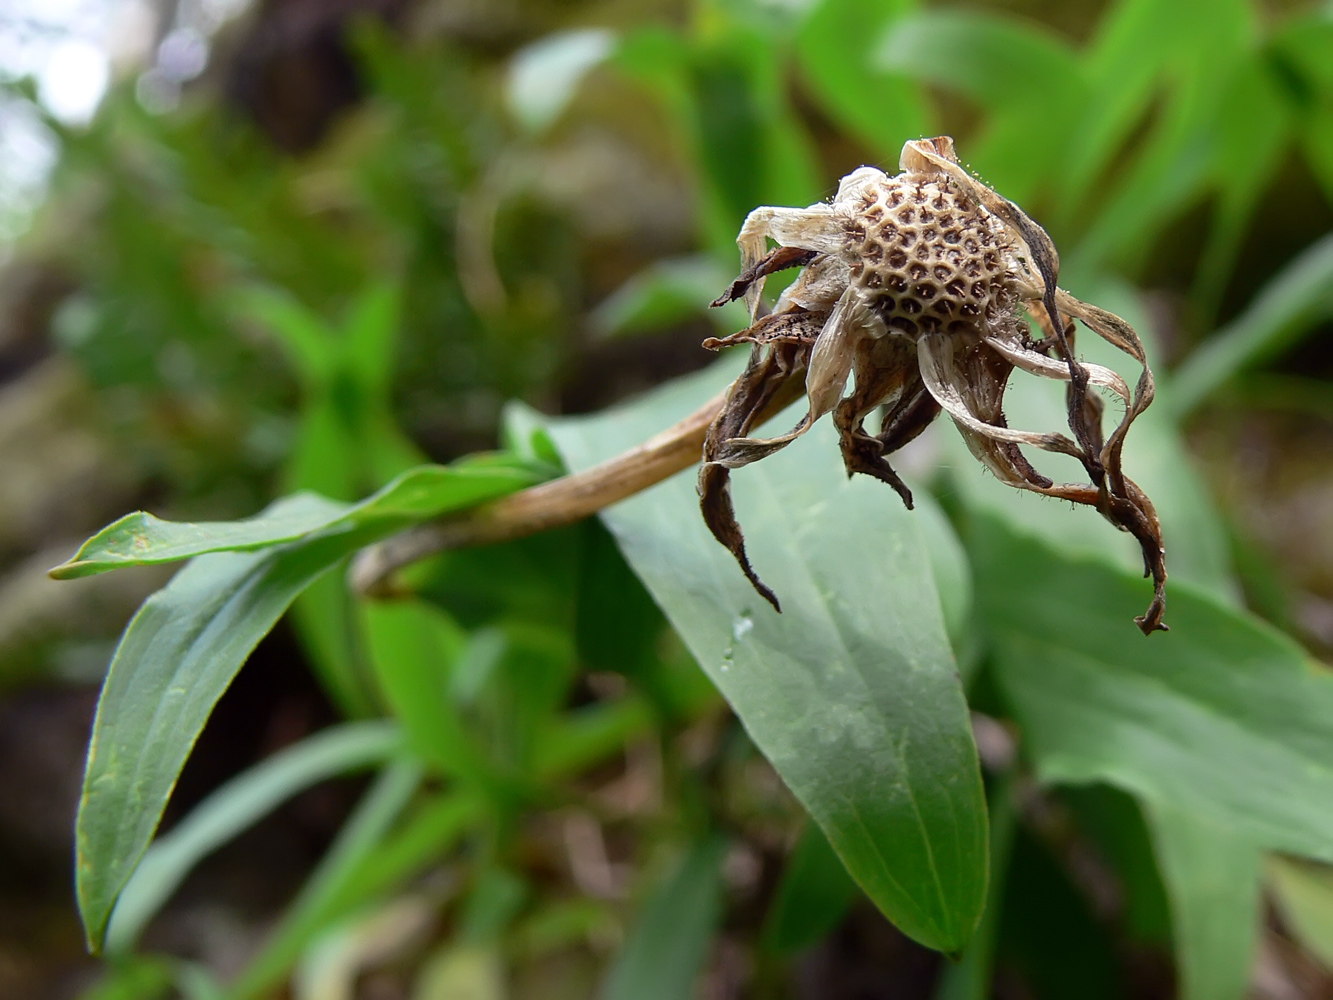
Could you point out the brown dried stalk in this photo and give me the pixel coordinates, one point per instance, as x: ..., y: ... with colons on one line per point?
x: 549, y: 505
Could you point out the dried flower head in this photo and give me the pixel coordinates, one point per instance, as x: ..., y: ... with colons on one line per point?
x: 922, y: 285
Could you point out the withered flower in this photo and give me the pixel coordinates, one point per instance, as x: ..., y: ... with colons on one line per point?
x: 921, y: 284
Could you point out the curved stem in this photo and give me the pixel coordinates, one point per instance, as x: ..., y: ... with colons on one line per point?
x: 539, y: 508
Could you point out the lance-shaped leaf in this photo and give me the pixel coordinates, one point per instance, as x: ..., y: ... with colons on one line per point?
x: 184, y: 646
x: 852, y: 691
x: 427, y: 491
x: 1224, y: 717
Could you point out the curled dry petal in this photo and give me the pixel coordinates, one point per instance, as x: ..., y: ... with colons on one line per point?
x: 917, y: 289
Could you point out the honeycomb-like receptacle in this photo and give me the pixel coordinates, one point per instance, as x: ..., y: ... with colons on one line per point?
x: 926, y: 259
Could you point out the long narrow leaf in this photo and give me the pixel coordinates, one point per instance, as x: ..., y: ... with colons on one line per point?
x: 851, y: 692
x: 184, y: 646
x: 1222, y: 717
x: 1289, y: 306
x: 666, y: 949
x: 316, y: 907
x: 1212, y: 879
x: 236, y: 806
x: 177, y: 657
x: 140, y: 539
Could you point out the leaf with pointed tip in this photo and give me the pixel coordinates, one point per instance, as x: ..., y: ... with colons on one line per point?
x: 186, y: 643
x: 140, y: 539
x: 852, y: 692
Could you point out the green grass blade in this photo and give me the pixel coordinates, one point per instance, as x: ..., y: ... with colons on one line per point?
x: 1287, y: 308
x: 235, y: 807
x: 316, y: 907
x: 970, y: 977
x: 665, y: 950
x: 1212, y: 880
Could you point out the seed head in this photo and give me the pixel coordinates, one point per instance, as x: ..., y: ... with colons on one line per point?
x: 925, y: 259
x: 922, y: 284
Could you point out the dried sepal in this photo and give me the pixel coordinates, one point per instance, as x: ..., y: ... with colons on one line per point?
x: 758, y: 391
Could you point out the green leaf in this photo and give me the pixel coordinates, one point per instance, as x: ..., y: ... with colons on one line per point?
x: 1138, y: 43
x: 1303, y: 894
x: 998, y: 61
x: 970, y: 977
x: 544, y: 76
x: 665, y: 950
x: 415, y: 647
x: 1114, y: 821
x: 137, y: 977
x: 1252, y: 139
x: 1212, y: 880
x: 1223, y: 717
x: 497, y: 897
x: 813, y: 897
x: 324, y: 617
x: 317, y: 906
x: 852, y: 692
x: 1288, y: 307
x: 196, y: 982
x: 371, y: 336
x: 1050, y: 938
x: 236, y: 806
x: 184, y: 646
x: 835, y: 48
x: 141, y: 539
x: 176, y: 658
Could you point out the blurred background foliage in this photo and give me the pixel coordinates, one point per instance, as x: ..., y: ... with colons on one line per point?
x: 300, y: 244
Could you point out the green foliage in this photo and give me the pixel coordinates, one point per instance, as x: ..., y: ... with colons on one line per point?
x: 1212, y: 876
x: 236, y: 806
x: 1230, y: 719
x: 812, y: 899
x: 185, y: 645
x: 307, y: 322
x: 871, y: 734
x: 668, y: 944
